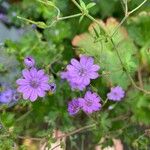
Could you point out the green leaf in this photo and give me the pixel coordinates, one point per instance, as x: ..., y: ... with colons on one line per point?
x: 138, y: 28
x: 81, y: 18
x: 82, y: 4
x: 41, y: 25
x: 105, y: 122
x: 90, y: 5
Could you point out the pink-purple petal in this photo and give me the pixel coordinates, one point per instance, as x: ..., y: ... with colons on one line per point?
x: 90, y: 62
x: 22, y: 82
x: 44, y: 79
x: 93, y: 75
x: 40, y: 73
x: 22, y: 88
x: 33, y: 72
x: 27, y: 94
x: 83, y: 60
x: 86, y: 81
x: 45, y: 87
x: 40, y: 92
x: 26, y: 74
x: 75, y: 63
x: 95, y: 68
x: 33, y: 95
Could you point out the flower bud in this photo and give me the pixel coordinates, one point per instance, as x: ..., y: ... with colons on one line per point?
x: 29, y: 62
x: 52, y: 87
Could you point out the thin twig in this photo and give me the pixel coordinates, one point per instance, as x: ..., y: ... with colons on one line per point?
x: 23, y: 116
x: 135, y: 9
x: 74, y: 1
x: 121, y: 117
x: 105, y: 102
x: 68, y: 17
x: 56, y: 146
x: 118, y: 26
x: 32, y: 138
x: 126, y: 7
x: 76, y: 131
x: 127, y: 15
x: 127, y: 73
x: 140, y: 77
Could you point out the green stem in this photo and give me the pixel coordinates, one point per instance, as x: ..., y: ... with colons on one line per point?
x: 125, y: 70
x: 118, y: 26
x: 117, y: 52
x: 135, y: 9
x: 77, y: 131
x: 63, y: 18
x: 23, y: 116
x: 74, y: 1
x: 96, y: 21
x: 127, y: 15
x: 126, y: 7
x: 105, y: 102
x: 68, y: 17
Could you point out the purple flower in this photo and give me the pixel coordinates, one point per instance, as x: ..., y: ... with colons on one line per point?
x: 65, y: 75
x: 73, y: 107
x: 6, y: 96
x: 52, y: 87
x: 33, y: 84
x: 116, y: 93
x: 79, y: 73
x: 90, y: 103
x: 29, y: 62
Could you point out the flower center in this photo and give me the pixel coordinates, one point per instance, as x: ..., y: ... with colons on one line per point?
x: 7, y: 96
x: 34, y: 83
x: 115, y: 93
x: 82, y: 72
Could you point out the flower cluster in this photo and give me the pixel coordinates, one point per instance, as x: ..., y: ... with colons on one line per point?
x: 89, y: 104
x: 34, y: 83
x: 79, y: 73
x: 8, y: 95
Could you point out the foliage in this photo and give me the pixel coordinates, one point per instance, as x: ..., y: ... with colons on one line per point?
x: 60, y: 32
